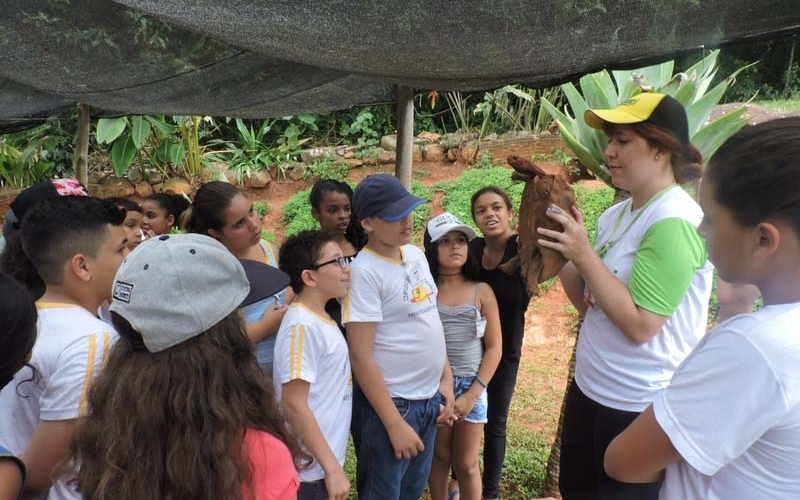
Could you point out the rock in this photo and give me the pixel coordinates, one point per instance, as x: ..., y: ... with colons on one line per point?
x: 153, y: 176
x: 96, y: 176
x: 516, y: 134
x: 114, y: 187
x: 207, y: 175
x: 295, y: 171
x: 429, y: 136
x: 389, y: 142
x: 315, y: 154
x: 354, y: 162
x: 177, y: 186
x: 455, y: 140
x: 135, y: 175
x: 257, y: 179
x: 142, y: 189
x: 229, y: 175
x: 452, y: 154
x: 469, y: 152
x: 385, y: 157
x: 416, y: 153
x: 491, y: 137
x: 348, y: 154
x: 433, y: 152
x: 157, y: 187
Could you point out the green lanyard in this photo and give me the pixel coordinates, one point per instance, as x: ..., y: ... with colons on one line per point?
x: 608, y: 245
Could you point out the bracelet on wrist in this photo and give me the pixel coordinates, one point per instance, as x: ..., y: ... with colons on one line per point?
x: 480, y: 381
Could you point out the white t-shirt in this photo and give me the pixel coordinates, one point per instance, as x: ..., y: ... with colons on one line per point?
x: 656, y: 251
x: 68, y: 354
x: 732, y: 411
x: 310, y: 347
x: 400, y: 296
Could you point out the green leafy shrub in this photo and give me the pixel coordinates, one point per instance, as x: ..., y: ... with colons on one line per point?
x: 423, y: 212
x: 36, y: 154
x: 262, y: 208
x: 269, y: 236
x: 592, y: 203
x: 486, y: 161
x: 525, y: 465
x: 325, y: 168
x: 297, y: 214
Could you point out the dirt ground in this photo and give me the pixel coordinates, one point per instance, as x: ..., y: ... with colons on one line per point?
x: 548, y: 326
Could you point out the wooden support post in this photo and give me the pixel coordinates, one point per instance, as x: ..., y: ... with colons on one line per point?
x: 405, y: 134
x: 80, y: 162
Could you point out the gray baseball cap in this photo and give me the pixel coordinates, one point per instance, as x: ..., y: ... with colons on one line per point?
x: 174, y: 287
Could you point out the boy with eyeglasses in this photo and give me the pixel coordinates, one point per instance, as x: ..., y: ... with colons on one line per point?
x: 311, y: 371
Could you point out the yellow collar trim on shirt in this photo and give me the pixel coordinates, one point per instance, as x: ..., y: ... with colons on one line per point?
x: 327, y: 320
x: 383, y: 257
x: 55, y: 305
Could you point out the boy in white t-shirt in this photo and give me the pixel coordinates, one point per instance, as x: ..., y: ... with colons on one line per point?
x: 396, y: 345
x: 75, y: 245
x: 728, y: 425
x: 311, y: 373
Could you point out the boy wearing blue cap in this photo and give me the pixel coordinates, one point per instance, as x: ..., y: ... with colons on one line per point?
x: 397, y: 347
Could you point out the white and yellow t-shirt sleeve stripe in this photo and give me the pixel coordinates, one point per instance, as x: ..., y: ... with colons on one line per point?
x: 91, y: 363
x: 297, y: 334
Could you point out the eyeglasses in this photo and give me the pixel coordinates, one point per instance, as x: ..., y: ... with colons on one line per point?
x: 342, y: 262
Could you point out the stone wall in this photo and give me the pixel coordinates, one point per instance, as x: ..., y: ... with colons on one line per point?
x: 525, y: 146
x: 427, y: 147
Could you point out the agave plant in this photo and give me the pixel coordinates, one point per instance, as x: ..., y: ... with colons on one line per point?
x: 602, y: 90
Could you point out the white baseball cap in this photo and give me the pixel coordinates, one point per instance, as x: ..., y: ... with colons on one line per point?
x: 446, y: 222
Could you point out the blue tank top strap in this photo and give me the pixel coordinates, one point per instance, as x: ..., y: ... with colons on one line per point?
x: 271, y: 260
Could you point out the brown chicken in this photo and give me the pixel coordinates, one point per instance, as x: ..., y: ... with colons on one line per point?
x: 541, y: 190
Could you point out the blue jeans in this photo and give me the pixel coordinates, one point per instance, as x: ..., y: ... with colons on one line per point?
x: 379, y: 475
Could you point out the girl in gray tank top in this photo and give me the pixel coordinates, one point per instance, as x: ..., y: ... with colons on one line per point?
x: 471, y: 323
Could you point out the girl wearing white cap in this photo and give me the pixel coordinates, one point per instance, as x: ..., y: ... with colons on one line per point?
x: 469, y: 314
x: 643, y: 288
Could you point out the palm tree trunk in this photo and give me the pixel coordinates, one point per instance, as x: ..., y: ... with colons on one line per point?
x: 550, y: 487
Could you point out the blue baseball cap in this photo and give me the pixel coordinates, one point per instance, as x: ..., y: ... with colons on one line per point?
x: 382, y: 196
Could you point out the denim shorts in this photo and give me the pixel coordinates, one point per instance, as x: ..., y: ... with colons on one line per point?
x: 481, y: 407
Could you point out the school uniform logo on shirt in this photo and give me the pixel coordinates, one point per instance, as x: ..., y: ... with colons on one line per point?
x: 420, y: 294
x: 418, y: 289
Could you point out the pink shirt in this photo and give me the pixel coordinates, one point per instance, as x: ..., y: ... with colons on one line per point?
x: 274, y: 476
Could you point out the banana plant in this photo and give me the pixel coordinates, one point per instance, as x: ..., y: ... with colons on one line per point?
x: 163, y: 142
x: 602, y: 90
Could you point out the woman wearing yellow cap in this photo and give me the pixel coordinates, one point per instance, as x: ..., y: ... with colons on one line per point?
x: 643, y: 288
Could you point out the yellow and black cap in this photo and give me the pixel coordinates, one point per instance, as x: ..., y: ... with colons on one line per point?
x: 659, y: 109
